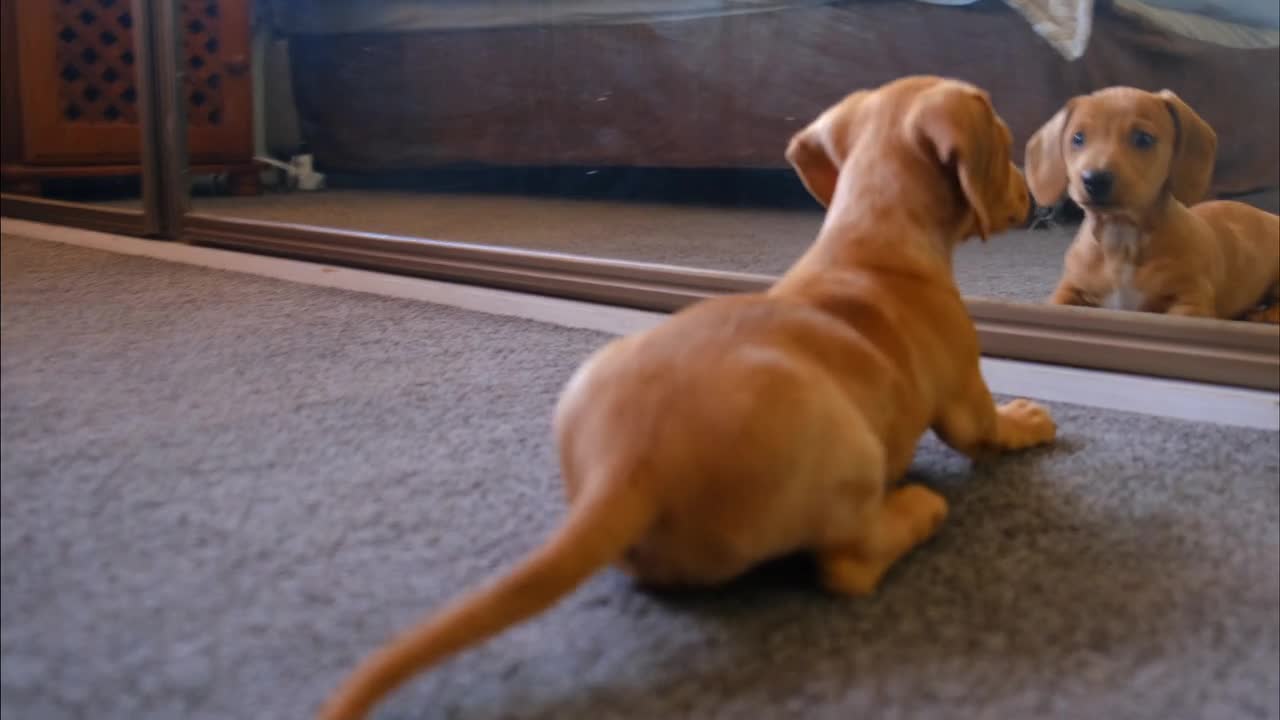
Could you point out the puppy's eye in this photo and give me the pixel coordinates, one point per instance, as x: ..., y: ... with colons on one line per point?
x: 1143, y: 140
x: 1077, y: 140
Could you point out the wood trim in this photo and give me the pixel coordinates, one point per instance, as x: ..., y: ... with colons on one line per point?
x: 56, y: 212
x: 1236, y: 354
x: 55, y: 172
x: 629, y: 284
x: 1213, y: 351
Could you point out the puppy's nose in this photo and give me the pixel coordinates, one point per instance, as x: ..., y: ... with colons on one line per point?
x: 1098, y: 184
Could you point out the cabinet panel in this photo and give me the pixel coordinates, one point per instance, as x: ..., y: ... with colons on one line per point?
x: 79, y: 90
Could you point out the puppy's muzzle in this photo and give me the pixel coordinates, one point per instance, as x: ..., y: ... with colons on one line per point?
x: 1098, y: 185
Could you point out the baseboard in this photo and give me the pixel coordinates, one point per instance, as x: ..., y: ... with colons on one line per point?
x: 1182, y: 400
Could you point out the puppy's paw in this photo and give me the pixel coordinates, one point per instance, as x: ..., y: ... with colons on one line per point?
x: 851, y: 576
x: 1023, y: 424
x: 919, y: 509
x: 912, y: 514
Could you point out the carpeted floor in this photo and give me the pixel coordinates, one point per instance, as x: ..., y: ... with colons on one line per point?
x: 219, y: 491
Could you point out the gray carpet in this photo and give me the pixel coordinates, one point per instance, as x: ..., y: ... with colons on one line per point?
x: 219, y: 491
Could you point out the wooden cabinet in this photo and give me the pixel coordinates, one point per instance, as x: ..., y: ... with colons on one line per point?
x: 70, y: 92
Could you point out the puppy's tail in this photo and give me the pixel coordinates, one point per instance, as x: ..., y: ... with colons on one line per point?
x: 602, y: 523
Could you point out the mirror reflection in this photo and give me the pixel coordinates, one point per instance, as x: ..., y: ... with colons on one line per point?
x: 655, y: 131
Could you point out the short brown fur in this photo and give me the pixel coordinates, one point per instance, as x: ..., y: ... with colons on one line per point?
x: 749, y: 427
x: 1145, y: 249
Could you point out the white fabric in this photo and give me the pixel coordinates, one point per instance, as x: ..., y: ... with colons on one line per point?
x: 1067, y: 24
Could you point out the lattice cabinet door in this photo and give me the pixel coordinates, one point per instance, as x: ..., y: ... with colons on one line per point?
x: 78, y: 88
x: 218, y: 82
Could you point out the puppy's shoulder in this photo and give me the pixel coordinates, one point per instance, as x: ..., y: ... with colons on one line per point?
x: 1229, y: 209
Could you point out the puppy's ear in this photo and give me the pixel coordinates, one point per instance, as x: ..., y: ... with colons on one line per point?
x: 1191, y: 170
x: 958, y: 126
x: 1046, y: 167
x: 817, y: 152
x: 808, y: 154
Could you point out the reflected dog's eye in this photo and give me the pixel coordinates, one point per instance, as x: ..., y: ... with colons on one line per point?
x: 1077, y: 140
x: 1142, y: 139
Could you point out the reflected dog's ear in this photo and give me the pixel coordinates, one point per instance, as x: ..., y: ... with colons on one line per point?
x: 1191, y: 169
x: 1046, y: 166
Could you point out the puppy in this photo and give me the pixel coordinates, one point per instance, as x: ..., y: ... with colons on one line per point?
x: 749, y: 427
x: 1134, y: 161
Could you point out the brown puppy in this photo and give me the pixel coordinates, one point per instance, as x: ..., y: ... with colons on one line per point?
x: 1134, y: 161
x: 745, y: 428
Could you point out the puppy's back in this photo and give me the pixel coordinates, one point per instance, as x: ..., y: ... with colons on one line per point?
x: 1249, y: 242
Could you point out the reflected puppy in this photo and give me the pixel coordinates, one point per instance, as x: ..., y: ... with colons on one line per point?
x: 1134, y: 161
x: 749, y: 427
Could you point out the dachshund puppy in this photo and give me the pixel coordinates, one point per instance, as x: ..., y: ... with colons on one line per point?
x: 749, y: 427
x: 1134, y: 161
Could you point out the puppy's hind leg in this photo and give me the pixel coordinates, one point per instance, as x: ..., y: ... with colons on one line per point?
x: 866, y: 524
x: 905, y: 518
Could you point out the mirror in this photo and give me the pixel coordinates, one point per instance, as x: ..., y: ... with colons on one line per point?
x: 655, y: 132
x: 71, y: 102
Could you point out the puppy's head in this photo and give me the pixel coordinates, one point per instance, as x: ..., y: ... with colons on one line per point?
x: 921, y: 124
x: 1120, y: 151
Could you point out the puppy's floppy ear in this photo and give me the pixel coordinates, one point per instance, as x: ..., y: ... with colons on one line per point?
x: 958, y: 126
x: 1191, y: 170
x: 1045, y: 165
x: 808, y: 154
x: 817, y: 152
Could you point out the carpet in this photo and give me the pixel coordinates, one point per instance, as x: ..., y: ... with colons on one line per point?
x: 219, y: 491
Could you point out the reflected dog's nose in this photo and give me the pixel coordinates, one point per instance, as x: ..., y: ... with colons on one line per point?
x: 1098, y: 185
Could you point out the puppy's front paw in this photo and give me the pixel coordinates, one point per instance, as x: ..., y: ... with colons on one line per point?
x: 1023, y: 424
